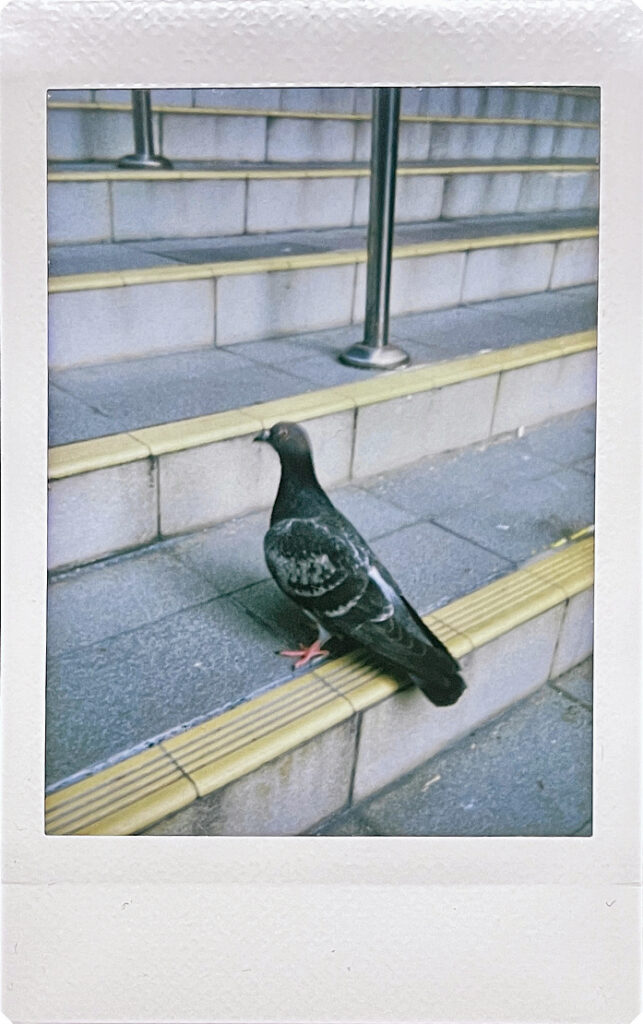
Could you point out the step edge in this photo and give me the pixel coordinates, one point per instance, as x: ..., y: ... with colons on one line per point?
x: 308, y: 115
x: 259, y: 749
x: 104, y: 279
x: 78, y: 457
x: 260, y: 174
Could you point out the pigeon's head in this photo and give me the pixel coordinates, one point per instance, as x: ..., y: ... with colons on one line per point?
x: 288, y: 439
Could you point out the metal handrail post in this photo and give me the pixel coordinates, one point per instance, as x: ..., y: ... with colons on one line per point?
x: 144, y: 156
x: 374, y: 352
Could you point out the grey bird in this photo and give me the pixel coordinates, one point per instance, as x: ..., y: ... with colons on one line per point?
x: 321, y: 562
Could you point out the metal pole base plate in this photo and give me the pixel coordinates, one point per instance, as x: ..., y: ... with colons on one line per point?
x: 142, y: 161
x: 369, y: 357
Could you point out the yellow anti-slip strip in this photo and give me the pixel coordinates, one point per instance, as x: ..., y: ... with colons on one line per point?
x: 305, y: 261
x: 101, y: 452
x: 309, y: 115
x: 272, y: 174
x: 139, y: 791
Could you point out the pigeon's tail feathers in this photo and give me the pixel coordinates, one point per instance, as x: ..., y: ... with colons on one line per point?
x: 440, y: 688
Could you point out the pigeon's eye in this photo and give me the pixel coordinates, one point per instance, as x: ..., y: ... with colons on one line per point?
x: 282, y: 433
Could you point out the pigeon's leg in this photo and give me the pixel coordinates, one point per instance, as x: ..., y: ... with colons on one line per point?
x: 305, y: 654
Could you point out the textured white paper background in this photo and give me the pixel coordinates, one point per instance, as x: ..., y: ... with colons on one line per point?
x: 313, y: 929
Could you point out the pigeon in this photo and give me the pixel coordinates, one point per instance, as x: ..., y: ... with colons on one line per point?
x: 320, y: 561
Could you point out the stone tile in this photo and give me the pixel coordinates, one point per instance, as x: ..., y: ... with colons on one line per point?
x: 302, y: 140
x: 243, y: 99
x: 177, y: 209
x: 94, y: 514
x: 129, y: 322
x: 526, y: 516
x: 513, y: 142
x: 507, y: 270
x: 372, y: 515
x: 433, y: 567
x: 89, y: 135
x: 77, y: 211
x: 205, y: 485
x: 533, y: 394
x: 395, y: 433
x: 417, y: 284
x: 229, y: 556
x: 473, y: 195
x: 414, y: 141
x: 208, y: 137
x: 541, y: 144
x: 350, y: 823
x: 81, y: 259
x: 322, y: 101
x: 576, y: 262
x: 577, y: 441
x: 400, y: 733
x: 538, y: 191
x: 576, y: 641
x: 551, y: 314
x: 586, y: 466
x: 284, y: 797
x: 435, y: 486
x: 577, y: 190
x: 284, y: 205
x: 424, y: 283
x: 141, y: 392
x: 287, y: 625
x: 417, y: 198
x: 145, y: 682
x: 577, y: 682
x: 529, y: 773
x: 264, y: 305
x: 118, y: 596
x: 71, y: 419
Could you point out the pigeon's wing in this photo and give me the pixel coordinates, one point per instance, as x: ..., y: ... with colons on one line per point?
x: 323, y: 569
x: 333, y: 574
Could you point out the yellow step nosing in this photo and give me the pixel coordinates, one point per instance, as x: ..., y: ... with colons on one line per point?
x: 309, y: 115
x: 288, y: 173
x: 84, y: 456
x: 321, y: 705
x: 165, y: 273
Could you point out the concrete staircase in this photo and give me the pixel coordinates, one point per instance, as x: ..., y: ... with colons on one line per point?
x: 191, y: 307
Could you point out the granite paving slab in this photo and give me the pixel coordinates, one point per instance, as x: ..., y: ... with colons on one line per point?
x: 526, y: 516
x: 111, y: 695
x: 527, y: 773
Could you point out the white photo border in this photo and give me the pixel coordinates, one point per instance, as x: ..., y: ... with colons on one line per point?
x: 311, y: 928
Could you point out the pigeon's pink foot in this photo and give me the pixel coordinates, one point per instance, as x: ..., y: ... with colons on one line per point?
x: 305, y: 654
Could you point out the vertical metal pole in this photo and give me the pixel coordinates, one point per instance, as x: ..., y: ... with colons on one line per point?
x: 144, y: 156
x: 374, y: 352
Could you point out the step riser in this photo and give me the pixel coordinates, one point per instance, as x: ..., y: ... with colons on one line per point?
x: 81, y: 134
x: 121, y: 211
x: 495, y: 101
x: 104, y: 511
x: 142, y: 320
x: 285, y: 797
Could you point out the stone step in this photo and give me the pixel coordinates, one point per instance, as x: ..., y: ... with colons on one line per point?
x: 146, y: 298
x: 527, y: 773
x: 107, y: 204
x: 117, y: 492
x: 255, y: 767
x: 102, y: 129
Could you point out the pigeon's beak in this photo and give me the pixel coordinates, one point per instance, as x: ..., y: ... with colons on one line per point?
x: 263, y: 436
